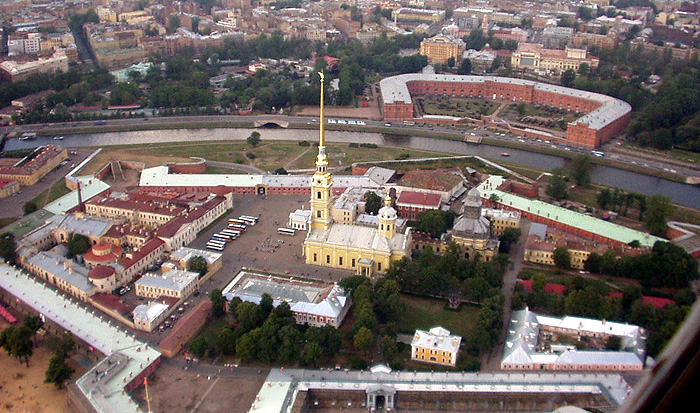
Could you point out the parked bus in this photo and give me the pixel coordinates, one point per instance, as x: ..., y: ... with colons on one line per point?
x: 286, y: 231
x: 222, y: 236
x: 215, y: 244
x: 230, y: 233
x: 238, y: 227
x: 215, y: 247
x: 235, y: 221
x: 234, y: 229
x: 409, y: 122
x: 598, y: 153
x: 217, y: 241
x: 248, y: 219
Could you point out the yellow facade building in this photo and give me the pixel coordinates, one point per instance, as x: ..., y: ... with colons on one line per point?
x: 441, y: 48
x: 365, y: 249
x: 436, y: 346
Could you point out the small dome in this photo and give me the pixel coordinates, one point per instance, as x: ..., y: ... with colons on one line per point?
x: 101, y: 272
x: 387, y: 212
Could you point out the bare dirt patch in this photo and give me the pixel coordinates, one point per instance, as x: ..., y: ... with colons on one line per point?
x: 23, y: 389
x: 111, y: 155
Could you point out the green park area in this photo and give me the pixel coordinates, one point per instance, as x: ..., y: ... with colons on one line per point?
x: 539, y: 116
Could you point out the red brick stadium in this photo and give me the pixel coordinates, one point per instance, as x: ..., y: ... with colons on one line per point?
x: 602, y: 116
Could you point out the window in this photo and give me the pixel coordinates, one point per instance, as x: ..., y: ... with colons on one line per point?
x: 328, y: 259
x: 340, y: 260
x: 315, y: 257
x: 379, y: 266
x: 353, y: 263
x: 318, y: 195
x: 318, y: 214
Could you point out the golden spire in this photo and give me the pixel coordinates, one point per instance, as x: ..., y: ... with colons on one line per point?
x: 322, y: 159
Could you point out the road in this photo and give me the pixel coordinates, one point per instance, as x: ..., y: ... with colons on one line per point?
x: 12, y: 206
x: 614, y: 150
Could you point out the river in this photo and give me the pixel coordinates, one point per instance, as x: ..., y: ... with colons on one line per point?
x: 681, y: 194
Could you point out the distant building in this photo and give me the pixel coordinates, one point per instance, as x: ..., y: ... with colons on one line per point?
x: 481, y: 60
x: 472, y: 230
x: 8, y: 187
x: 535, y: 56
x: 436, y: 346
x: 501, y: 219
x: 29, y: 170
x: 14, y: 71
x: 441, y: 48
x: 557, y: 37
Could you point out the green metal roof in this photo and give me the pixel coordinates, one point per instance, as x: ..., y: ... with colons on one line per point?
x: 574, y: 219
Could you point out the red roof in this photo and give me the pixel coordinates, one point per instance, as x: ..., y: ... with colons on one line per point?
x: 557, y: 289
x: 419, y: 198
x: 101, y: 272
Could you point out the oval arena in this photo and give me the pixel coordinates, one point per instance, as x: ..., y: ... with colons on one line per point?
x: 602, y: 117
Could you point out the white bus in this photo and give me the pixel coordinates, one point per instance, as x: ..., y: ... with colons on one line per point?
x: 217, y: 241
x: 249, y: 219
x: 286, y: 231
x: 230, y: 233
x: 237, y: 227
x: 409, y: 122
x: 217, y: 238
x: 598, y: 153
x: 215, y: 247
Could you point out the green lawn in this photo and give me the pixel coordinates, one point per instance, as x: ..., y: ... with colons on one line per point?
x: 425, y: 313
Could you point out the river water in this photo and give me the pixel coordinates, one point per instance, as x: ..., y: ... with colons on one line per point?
x: 629, y: 181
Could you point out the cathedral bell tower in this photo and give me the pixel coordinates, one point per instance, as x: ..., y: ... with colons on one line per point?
x: 387, y: 219
x: 321, y: 182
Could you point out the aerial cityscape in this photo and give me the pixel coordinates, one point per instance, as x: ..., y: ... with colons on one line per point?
x: 314, y: 206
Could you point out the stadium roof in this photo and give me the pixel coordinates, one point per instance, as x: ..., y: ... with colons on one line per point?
x: 394, y: 89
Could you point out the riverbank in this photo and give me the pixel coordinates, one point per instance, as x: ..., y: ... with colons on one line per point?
x: 150, y: 124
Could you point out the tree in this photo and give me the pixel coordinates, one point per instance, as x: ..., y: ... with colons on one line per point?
x: 581, y: 167
x: 249, y: 316
x: 34, y: 323
x: 8, y: 248
x: 17, y: 342
x: 568, y: 77
x: 436, y: 222
x: 659, y: 207
x: 58, y: 372
x: 584, y: 69
x: 465, y: 67
x: 29, y: 207
x: 281, y: 171
x: 290, y: 347
x: 451, y: 62
x: 77, y: 244
x: 363, y: 339
x: 372, y: 202
x: 199, y: 347
x: 556, y: 187
x: 593, y: 263
x: 197, y: 264
x: 312, y: 353
x: 389, y: 349
x: 508, y: 239
x: 254, y: 138
x: 562, y: 258
x: 266, y: 304
x: 219, y: 302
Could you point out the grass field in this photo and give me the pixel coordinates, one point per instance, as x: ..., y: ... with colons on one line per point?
x: 426, y: 313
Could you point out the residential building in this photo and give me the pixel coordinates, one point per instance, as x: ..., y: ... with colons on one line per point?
x: 441, y: 48
x: 529, y: 347
x: 535, y: 56
x: 411, y: 15
x: 148, y: 316
x: 14, y: 71
x: 29, y: 170
x: 436, y: 346
x: 501, y: 219
x: 182, y: 257
x: 557, y: 37
x: 481, y: 60
x: 410, y: 204
x: 173, y: 283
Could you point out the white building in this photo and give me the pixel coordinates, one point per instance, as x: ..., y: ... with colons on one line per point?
x: 148, y: 316
x: 299, y: 219
x: 174, y: 283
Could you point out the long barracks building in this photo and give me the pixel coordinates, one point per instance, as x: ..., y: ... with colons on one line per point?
x: 603, y: 116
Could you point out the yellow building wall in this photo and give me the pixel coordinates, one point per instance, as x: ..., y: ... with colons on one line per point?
x: 442, y: 357
x: 342, y: 257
